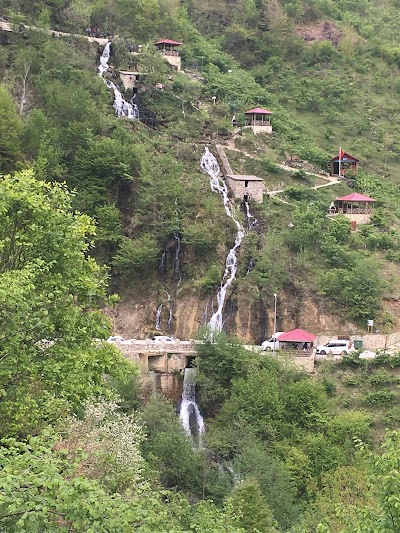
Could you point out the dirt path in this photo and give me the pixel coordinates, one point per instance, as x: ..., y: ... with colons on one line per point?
x: 7, y: 26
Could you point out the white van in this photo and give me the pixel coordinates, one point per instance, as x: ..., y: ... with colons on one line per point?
x: 272, y: 343
x: 335, y: 346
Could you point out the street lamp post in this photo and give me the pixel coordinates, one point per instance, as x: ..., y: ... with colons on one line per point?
x: 274, y: 341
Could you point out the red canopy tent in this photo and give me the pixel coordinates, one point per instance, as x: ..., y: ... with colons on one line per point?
x: 297, y: 335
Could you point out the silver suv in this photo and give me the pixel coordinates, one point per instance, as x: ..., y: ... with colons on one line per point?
x: 336, y: 347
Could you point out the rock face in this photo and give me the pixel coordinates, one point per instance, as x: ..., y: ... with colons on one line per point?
x: 247, y: 315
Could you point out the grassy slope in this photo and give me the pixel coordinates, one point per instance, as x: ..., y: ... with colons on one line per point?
x: 322, y: 97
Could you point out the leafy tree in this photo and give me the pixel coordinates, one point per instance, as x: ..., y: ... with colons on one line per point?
x: 10, y: 130
x: 359, y: 289
x: 220, y: 362
x: 379, y: 511
x: 49, y: 293
x: 252, y: 511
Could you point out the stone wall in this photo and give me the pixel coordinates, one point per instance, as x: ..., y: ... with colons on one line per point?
x: 226, y: 167
x: 174, y: 61
x: 254, y: 189
x: 261, y: 129
x: 129, y: 79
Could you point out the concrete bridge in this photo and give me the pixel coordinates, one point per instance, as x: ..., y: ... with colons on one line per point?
x: 174, y: 357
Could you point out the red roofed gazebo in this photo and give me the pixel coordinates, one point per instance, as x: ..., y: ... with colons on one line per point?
x: 170, y: 50
x: 354, y: 203
x: 355, y: 206
x: 297, y: 339
x: 259, y: 120
x: 168, y: 47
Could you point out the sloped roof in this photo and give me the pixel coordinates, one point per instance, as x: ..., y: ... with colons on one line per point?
x: 241, y: 177
x: 297, y: 335
x: 356, y: 197
x: 258, y: 111
x: 345, y: 157
x: 168, y: 41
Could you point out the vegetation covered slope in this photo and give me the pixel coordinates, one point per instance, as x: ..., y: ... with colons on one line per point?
x: 81, y: 448
x: 142, y: 185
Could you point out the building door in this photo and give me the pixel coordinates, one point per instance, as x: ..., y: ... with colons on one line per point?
x: 336, y: 168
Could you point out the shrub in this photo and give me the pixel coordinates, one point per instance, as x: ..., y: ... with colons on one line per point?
x: 382, y: 397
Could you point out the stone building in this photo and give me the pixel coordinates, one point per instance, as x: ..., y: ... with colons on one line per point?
x: 129, y: 79
x: 246, y: 187
x: 170, y: 50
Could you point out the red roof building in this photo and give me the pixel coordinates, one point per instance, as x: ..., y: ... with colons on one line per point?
x: 168, y: 42
x: 297, y: 335
x: 259, y: 120
x: 170, y: 50
x: 355, y: 206
x: 355, y: 197
x: 337, y: 166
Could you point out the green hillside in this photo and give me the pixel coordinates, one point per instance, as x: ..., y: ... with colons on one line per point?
x: 97, y: 210
x: 339, y: 89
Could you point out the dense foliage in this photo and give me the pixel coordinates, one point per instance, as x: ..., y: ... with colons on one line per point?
x: 84, y: 195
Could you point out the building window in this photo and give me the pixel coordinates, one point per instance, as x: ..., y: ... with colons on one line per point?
x: 246, y: 183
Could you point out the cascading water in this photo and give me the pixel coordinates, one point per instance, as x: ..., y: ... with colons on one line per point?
x: 158, y: 317
x: 251, y: 221
x: 170, y: 320
x: 163, y: 266
x: 177, y: 267
x: 210, y: 165
x: 189, y: 414
x: 121, y: 106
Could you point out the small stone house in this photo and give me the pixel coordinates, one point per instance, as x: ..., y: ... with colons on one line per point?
x: 129, y: 79
x: 246, y: 187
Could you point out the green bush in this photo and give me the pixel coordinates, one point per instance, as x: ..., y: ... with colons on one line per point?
x: 378, y: 398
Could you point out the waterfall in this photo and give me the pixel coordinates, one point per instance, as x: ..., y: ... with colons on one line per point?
x: 189, y: 414
x: 177, y: 268
x: 170, y: 319
x: 121, y: 106
x: 158, y: 317
x: 163, y: 267
x: 251, y: 221
x: 210, y: 165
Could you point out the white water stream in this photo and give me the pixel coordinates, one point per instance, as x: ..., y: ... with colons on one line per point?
x: 121, y: 106
x: 158, y: 317
x: 209, y: 164
x: 189, y: 414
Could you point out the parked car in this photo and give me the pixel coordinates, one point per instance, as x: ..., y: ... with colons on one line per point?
x: 336, y: 347
x: 163, y: 338
x: 269, y: 344
x: 118, y: 338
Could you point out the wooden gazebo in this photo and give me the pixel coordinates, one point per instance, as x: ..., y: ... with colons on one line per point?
x: 168, y: 47
x: 170, y: 50
x: 352, y: 204
x: 259, y: 120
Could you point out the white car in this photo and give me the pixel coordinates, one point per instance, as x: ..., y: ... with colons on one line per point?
x: 338, y: 347
x: 118, y: 339
x: 272, y: 343
x: 163, y: 338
